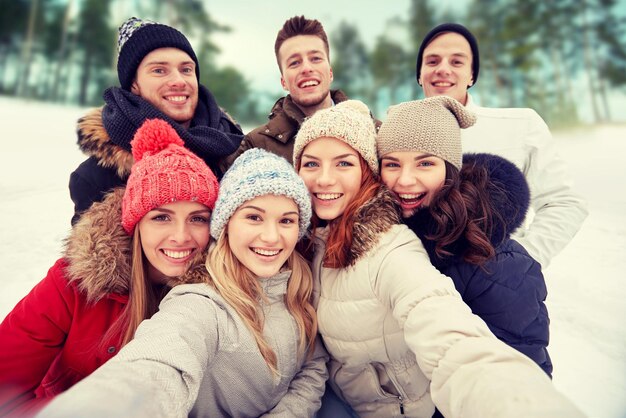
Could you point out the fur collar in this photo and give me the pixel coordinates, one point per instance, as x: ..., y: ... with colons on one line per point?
x: 508, y: 192
x: 98, y: 249
x: 99, y: 252
x: 94, y: 141
x: 372, y: 219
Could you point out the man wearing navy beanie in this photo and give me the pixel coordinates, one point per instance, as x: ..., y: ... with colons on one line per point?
x: 159, y: 77
x: 448, y: 64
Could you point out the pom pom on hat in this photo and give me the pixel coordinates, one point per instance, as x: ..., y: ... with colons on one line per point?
x: 432, y: 125
x: 348, y: 121
x: 153, y: 136
x: 256, y: 173
x: 164, y: 172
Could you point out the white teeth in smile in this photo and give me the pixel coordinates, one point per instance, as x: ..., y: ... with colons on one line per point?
x: 265, y: 252
x: 409, y: 196
x: 309, y: 83
x: 443, y: 84
x: 177, y: 254
x: 177, y: 98
x: 328, y: 196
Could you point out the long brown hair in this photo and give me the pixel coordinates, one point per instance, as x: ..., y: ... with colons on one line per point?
x: 241, y: 289
x: 340, y: 229
x: 462, y: 209
x: 143, y: 296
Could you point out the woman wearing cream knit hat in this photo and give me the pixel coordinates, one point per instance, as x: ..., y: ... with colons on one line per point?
x: 400, y: 337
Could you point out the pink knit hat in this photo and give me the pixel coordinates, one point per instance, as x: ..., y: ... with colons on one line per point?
x: 164, y: 172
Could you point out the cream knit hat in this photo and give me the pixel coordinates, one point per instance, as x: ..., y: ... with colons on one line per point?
x: 432, y: 125
x: 348, y: 121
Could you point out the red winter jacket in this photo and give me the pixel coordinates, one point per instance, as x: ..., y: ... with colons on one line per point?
x: 54, y: 336
x: 51, y: 340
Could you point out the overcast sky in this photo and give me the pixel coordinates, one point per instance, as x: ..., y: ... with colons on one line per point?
x: 250, y: 45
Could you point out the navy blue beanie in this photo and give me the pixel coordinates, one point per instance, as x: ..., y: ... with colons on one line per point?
x: 450, y: 27
x: 137, y: 38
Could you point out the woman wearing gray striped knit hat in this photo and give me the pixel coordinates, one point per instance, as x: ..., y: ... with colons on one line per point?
x: 242, y: 343
x: 464, y: 210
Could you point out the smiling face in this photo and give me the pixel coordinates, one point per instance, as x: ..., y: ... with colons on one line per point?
x: 171, y: 235
x: 447, y: 67
x: 166, y: 78
x: 306, y: 72
x: 331, y: 170
x: 263, y: 233
x: 414, y: 178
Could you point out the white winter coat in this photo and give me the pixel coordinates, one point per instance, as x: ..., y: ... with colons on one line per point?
x: 400, y: 337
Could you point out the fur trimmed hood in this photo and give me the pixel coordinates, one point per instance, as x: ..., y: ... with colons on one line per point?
x: 372, y: 219
x: 94, y: 141
x: 99, y: 251
x: 507, y: 189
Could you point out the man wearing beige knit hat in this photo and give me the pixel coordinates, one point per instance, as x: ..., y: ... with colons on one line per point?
x: 448, y: 64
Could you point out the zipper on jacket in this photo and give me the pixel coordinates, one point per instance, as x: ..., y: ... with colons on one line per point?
x: 401, y: 404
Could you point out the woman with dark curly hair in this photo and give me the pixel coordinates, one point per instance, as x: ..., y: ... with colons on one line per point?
x: 464, y: 211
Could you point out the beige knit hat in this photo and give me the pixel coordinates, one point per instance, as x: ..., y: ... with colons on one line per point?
x: 349, y: 121
x: 432, y: 125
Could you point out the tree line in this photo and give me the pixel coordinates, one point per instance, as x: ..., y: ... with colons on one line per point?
x: 548, y: 55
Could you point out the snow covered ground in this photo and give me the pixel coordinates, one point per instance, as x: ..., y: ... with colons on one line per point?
x: 585, y: 282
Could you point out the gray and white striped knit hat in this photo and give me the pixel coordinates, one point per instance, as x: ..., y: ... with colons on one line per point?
x: 432, y: 125
x: 256, y: 173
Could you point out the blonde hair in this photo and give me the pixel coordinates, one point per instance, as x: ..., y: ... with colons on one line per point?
x: 241, y: 289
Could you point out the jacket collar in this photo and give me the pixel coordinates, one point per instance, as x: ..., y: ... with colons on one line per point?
x: 371, y: 220
x: 94, y: 141
x: 98, y: 250
x: 275, y: 287
x: 286, y: 117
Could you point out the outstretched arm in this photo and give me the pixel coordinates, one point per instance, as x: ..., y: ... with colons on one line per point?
x: 472, y: 373
x: 158, y: 373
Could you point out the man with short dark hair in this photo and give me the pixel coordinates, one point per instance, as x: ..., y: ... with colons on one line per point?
x: 303, y: 58
x: 448, y: 64
x: 159, y: 77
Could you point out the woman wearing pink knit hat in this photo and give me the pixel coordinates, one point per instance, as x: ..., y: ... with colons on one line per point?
x: 119, y: 261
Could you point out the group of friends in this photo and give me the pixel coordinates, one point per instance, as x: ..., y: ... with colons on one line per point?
x: 324, y: 264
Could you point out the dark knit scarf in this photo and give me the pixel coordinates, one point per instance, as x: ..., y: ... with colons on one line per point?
x: 211, y: 135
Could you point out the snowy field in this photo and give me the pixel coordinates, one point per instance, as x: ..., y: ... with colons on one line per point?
x: 586, y: 286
